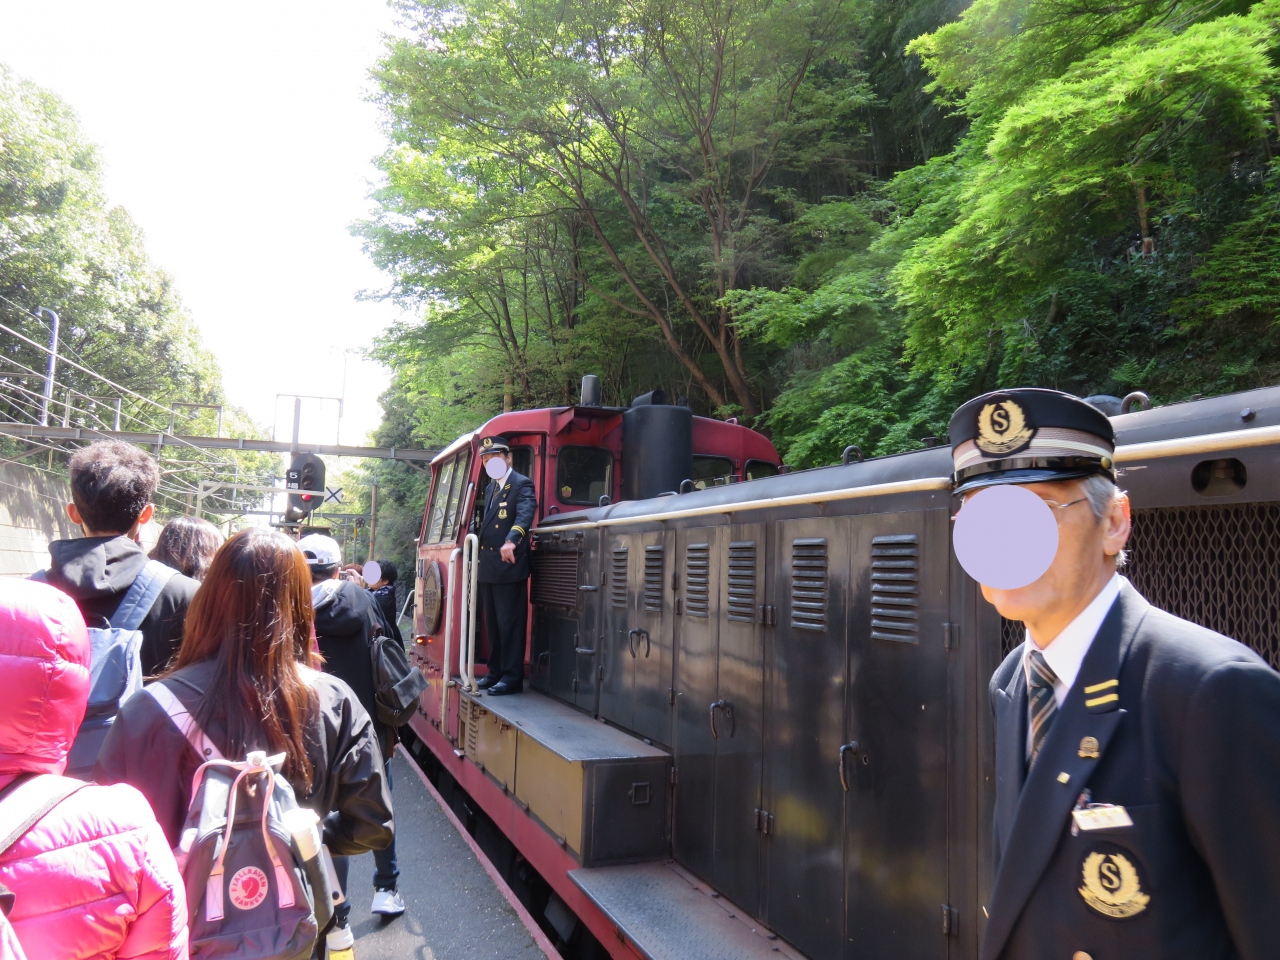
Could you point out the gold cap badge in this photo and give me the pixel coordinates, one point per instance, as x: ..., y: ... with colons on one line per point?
x: 1111, y: 886
x: 1089, y: 748
x: 487, y: 442
x: 1003, y: 428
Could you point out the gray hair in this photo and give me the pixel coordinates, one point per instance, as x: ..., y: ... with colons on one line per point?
x: 1101, y: 492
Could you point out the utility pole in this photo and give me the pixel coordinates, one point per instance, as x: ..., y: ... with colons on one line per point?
x: 53, y: 363
x: 373, y: 513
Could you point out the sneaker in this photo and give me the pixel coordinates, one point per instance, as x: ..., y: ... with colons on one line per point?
x: 340, y: 938
x: 387, y: 903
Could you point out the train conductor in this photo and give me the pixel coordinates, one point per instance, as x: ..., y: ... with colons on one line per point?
x: 1137, y: 809
x: 510, y: 502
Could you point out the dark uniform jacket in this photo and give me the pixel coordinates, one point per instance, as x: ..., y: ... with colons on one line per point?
x: 348, y: 791
x: 508, y: 515
x: 1179, y: 725
x: 96, y: 572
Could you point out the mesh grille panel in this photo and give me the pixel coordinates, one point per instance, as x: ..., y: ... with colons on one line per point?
x: 1218, y: 566
x: 742, y: 581
x: 653, y: 578
x: 618, y: 578
x: 697, y: 568
x: 555, y: 577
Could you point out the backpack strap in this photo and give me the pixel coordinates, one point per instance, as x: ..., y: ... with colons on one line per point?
x: 142, y: 595
x: 184, y: 721
x: 25, y: 801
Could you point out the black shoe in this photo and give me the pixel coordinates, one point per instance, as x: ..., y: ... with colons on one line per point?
x: 504, y: 687
x: 487, y: 681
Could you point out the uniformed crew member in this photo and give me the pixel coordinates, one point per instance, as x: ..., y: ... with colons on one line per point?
x: 1137, y: 755
x: 510, y: 502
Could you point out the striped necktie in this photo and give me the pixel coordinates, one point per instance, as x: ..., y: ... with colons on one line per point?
x: 1042, y: 703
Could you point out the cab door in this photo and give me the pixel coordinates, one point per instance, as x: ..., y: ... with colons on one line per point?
x: 893, y: 762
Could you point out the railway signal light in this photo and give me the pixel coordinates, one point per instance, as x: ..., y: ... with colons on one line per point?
x: 306, y: 472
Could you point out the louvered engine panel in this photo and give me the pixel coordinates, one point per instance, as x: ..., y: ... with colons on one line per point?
x: 809, y: 584
x: 742, y: 581
x: 618, y: 578
x: 653, y: 578
x: 895, y: 588
x: 555, y: 577
x: 697, y: 570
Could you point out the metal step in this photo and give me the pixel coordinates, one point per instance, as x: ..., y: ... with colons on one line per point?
x: 600, y: 792
x: 668, y: 914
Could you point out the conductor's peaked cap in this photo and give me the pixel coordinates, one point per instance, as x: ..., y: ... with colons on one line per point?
x: 494, y: 445
x: 1029, y: 435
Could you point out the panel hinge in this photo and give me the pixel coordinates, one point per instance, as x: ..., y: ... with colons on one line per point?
x: 675, y: 579
x: 575, y: 684
x: 769, y: 615
x: 950, y: 921
x: 679, y: 606
x: 764, y: 822
x: 600, y: 672
x: 950, y: 635
x: 671, y: 695
x: 675, y: 776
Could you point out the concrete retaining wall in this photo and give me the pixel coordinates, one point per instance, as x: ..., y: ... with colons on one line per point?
x: 32, y: 513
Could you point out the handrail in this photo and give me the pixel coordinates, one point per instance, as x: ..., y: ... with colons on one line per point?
x: 448, y: 638
x: 471, y: 598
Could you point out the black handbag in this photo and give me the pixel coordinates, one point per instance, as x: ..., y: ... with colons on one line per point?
x: 396, y: 683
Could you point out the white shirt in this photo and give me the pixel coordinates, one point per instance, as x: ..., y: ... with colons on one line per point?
x: 1067, y: 651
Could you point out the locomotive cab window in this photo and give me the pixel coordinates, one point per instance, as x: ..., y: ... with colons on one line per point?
x: 711, y: 471
x: 439, y: 501
x: 583, y: 474
x: 446, y: 499
x: 757, y: 469
x: 522, y: 461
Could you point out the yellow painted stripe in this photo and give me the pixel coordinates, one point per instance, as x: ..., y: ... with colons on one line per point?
x: 1205, y: 443
x: 1098, y: 687
x: 1099, y: 701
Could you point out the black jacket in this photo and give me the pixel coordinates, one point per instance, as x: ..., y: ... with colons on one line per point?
x: 385, y: 598
x: 508, y: 515
x: 1181, y: 727
x: 349, y: 792
x: 96, y: 572
x: 347, y: 618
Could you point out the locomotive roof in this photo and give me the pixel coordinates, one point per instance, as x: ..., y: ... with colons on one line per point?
x: 1241, y: 419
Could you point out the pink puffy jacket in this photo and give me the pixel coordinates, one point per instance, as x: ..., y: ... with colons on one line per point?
x: 95, y: 877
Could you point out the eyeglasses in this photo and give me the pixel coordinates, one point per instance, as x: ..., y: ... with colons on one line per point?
x: 1054, y: 505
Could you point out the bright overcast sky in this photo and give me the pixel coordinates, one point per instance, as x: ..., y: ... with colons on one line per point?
x: 238, y: 136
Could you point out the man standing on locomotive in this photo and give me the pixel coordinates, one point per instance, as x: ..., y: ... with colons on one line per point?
x: 509, y: 506
x: 1137, y: 807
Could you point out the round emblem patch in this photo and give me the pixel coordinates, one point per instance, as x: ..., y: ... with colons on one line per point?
x: 248, y: 888
x: 1111, y: 885
x: 432, y: 596
x: 1003, y: 428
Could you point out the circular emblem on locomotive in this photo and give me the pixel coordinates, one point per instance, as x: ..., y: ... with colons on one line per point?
x: 247, y: 888
x: 432, y: 596
x: 1003, y: 428
x: 1111, y: 885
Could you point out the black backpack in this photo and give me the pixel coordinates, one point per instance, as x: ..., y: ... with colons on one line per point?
x: 396, y: 683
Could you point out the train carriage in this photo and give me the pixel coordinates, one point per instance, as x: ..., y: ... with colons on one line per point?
x: 760, y: 720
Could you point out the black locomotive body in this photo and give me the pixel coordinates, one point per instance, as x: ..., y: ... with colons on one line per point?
x: 816, y: 662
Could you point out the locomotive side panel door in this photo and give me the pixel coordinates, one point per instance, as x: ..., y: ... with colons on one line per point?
x: 805, y: 881
x: 617, y: 676
x: 652, y: 619
x: 697, y: 624
x: 893, y: 761
x: 592, y: 607
x: 741, y: 825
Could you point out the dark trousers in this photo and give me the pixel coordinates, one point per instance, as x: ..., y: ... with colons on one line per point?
x: 506, y: 618
x: 386, y: 869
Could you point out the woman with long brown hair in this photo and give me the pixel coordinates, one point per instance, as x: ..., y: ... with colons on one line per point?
x: 248, y: 673
x: 187, y: 544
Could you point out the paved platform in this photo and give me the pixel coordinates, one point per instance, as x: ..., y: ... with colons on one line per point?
x: 455, y: 910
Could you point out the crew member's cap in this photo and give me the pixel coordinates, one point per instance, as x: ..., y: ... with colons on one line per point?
x: 493, y: 445
x: 1029, y: 435
x: 320, y: 551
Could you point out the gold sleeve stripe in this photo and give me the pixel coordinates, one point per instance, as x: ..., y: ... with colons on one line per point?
x: 1099, y: 701
x: 1099, y: 687
x: 521, y: 529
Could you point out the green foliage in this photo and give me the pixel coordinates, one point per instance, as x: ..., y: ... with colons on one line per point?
x: 61, y: 247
